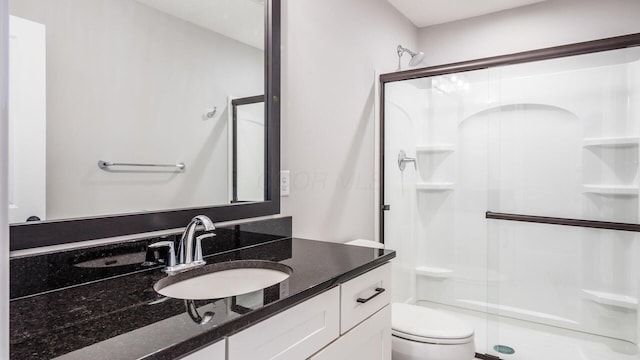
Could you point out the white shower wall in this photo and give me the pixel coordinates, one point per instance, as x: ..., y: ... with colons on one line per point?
x: 555, y: 138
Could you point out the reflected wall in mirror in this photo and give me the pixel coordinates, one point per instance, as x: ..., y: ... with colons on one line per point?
x: 248, y: 149
x: 127, y: 81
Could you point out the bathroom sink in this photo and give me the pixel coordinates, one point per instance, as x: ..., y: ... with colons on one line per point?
x: 222, y: 280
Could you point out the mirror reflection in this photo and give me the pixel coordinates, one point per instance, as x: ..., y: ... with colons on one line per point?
x: 248, y: 149
x: 142, y: 82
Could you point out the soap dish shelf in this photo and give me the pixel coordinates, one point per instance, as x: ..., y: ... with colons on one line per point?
x: 433, y: 272
x: 619, y: 190
x: 611, y: 299
x: 611, y: 142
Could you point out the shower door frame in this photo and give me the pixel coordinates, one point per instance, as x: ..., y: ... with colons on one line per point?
x: 613, y: 43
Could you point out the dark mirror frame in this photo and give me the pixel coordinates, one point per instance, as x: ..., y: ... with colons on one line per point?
x: 55, y: 232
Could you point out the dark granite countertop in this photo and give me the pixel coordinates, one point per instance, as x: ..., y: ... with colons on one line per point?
x: 100, y: 303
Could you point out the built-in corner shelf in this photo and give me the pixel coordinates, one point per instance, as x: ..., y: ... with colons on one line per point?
x: 617, y: 300
x: 627, y: 190
x: 612, y: 142
x: 436, y: 148
x: 434, y: 186
x: 433, y: 272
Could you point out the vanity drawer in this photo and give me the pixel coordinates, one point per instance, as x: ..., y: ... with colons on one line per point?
x: 293, y: 334
x: 363, y: 296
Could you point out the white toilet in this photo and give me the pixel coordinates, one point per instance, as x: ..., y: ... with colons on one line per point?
x: 420, y: 333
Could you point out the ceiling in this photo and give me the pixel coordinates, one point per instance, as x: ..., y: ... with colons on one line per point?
x: 241, y: 20
x: 431, y: 12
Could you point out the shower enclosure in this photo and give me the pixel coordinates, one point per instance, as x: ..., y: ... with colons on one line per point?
x: 510, y: 189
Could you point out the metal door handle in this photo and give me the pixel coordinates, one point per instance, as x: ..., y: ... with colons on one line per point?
x: 378, y: 292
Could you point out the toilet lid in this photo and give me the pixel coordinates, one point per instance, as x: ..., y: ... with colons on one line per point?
x: 428, y: 325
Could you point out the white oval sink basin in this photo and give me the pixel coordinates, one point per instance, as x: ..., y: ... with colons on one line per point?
x: 222, y: 280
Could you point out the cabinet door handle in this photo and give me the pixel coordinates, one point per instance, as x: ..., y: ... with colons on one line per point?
x: 378, y: 292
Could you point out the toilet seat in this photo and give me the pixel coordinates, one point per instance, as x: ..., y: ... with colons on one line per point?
x: 417, y: 323
x: 434, y: 341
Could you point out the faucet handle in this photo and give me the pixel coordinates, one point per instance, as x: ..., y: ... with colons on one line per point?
x: 171, y: 261
x: 198, y: 255
x: 403, y: 159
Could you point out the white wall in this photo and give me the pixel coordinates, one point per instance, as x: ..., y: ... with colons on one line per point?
x: 127, y: 83
x: 4, y: 159
x: 541, y: 25
x: 331, y: 49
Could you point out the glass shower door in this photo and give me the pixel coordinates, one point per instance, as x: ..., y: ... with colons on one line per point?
x: 435, y: 182
x: 563, y: 176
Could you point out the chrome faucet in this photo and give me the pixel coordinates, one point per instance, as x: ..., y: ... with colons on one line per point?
x: 190, y: 247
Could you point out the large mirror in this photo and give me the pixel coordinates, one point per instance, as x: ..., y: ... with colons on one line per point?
x: 121, y: 115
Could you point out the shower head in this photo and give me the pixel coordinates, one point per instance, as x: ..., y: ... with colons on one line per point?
x: 416, y: 58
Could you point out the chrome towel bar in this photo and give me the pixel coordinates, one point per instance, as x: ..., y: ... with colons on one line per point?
x: 106, y: 165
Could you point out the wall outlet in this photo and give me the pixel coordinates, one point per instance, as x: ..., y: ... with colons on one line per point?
x: 284, y: 183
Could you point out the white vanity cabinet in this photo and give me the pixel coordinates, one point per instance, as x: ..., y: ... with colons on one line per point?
x: 351, y: 322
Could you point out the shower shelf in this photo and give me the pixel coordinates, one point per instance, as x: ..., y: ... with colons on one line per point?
x: 617, y: 300
x: 613, y: 142
x: 434, y: 186
x: 433, y: 149
x: 433, y: 272
x: 611, y: 189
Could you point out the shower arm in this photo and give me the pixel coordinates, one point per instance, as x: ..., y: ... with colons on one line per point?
x: 402, y: 50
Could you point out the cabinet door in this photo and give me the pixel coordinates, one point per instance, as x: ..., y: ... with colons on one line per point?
x: 217, y: 351
x: 371, y: 340
x: 293, y: 334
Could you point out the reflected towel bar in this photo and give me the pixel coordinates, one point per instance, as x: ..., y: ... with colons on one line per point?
x: 105, y: 165
x: 564, y: 221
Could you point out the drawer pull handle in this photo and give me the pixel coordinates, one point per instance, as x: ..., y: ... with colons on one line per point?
x: 378, y: 292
